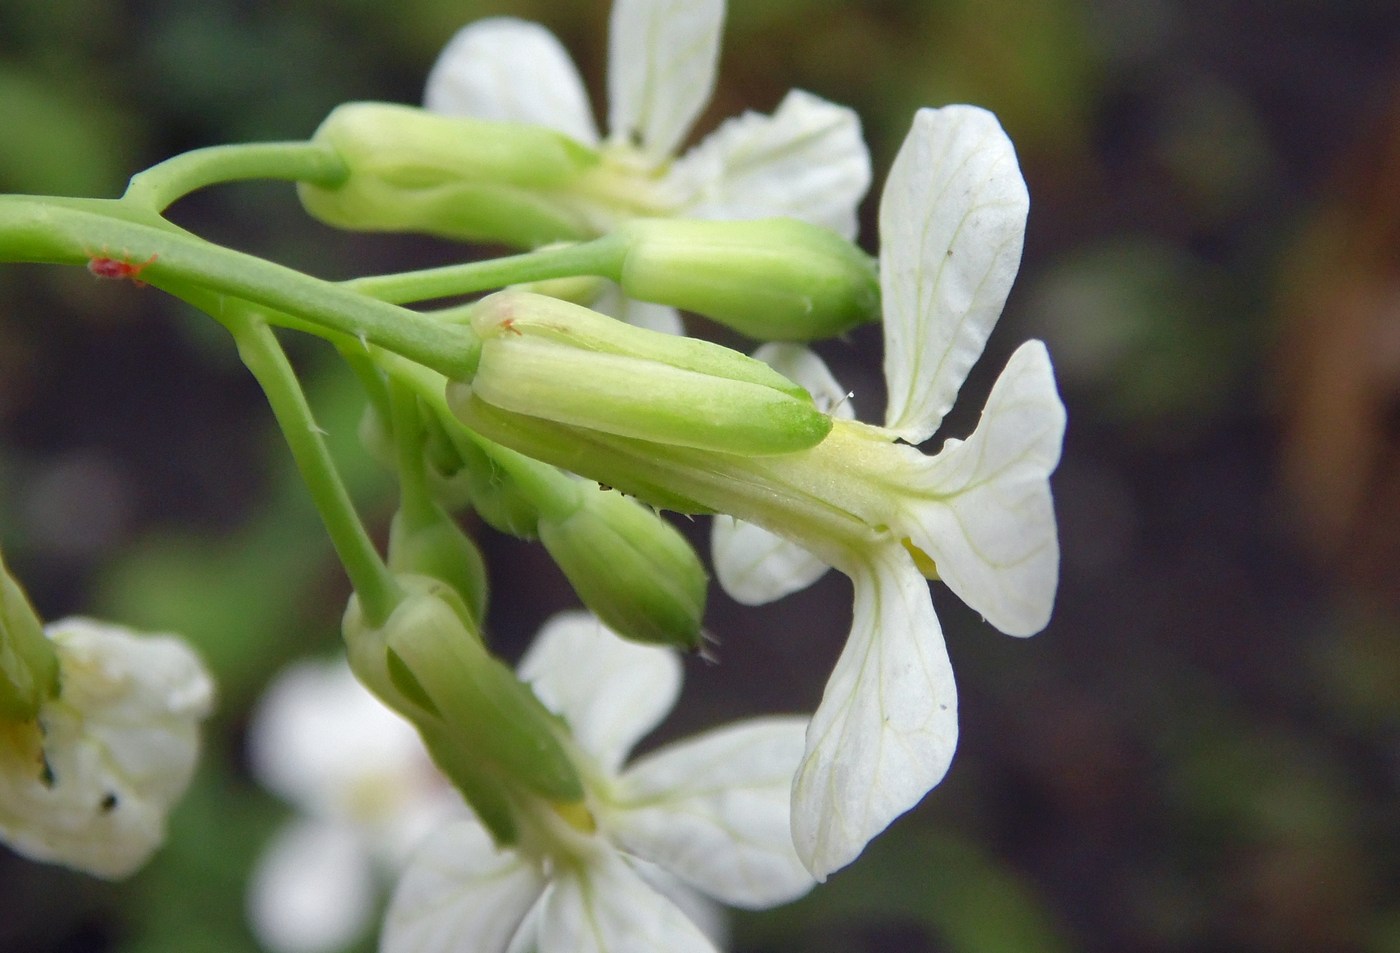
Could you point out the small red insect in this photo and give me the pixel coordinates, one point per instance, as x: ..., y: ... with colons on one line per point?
x: 509, y: 325
x: 102, y: 266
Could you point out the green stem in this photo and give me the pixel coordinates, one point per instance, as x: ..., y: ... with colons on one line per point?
x: 415, y: 499
x: 74, y: 231
x: 361, y: 364
x: 601, y: 257
x: 161, y: 185
x: 262, y: 353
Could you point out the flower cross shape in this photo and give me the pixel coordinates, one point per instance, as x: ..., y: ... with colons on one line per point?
x: 977, y: 515
x: 707, y: 814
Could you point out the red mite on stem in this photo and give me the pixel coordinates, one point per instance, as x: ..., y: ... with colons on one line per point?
x: 118, y: 268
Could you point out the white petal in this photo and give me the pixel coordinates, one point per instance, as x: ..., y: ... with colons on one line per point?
x: 510, y: 70
x: 460, y: 893
x: 952, y: 220
x: 887, y: 724
x: 89, y: 783
x: 755, y: 566
x: 312, y: 890
x: 991, y: 530
x: 612, y: 692
x: 321, y: 740
x: 662, y: 57
x: 605, y: 907
x: 709, y: 915
x: 805, y: 161
x: 639, y: 314
x: 714, y: 811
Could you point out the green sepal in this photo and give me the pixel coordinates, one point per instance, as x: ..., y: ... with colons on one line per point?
x: 407, y: 683
x: 489, y: 800
x: 559, y: 361
x: 631, y: 568
x: 485, y: 709
x: 595, y: 455
x: 389, y: 677
x: 776, y: 279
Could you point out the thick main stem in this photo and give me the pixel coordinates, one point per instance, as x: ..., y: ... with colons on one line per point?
x: 74, y: 231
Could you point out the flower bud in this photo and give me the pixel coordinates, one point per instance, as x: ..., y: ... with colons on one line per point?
x: 28, y: 663
x: 775, y: 279
x: 494, y: 491
x: 580, y: 289
x: 631, y: 568
x: 477, y: 703
x: 551, y: 359
x: 469, y: 179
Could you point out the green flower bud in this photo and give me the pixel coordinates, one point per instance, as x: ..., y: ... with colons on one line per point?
x: 434, y: 545
x: 485, y: 728
x: 551, y: 359
x: 469, y: 179
x: 493, y: 490
x: 28, y: 662
x: 631, y: 568
x: 774, y: 279
x: 487, y: 711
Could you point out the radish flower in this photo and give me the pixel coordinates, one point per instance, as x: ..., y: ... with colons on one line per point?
x: 709, y: 813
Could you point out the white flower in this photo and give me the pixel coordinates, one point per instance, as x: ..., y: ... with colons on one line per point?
x: 806, y: 161
x: 977, y: 515
x: 753, y: 565
x: 366, y: 792
x: 952, y: 218
x: 711, y: 812
x: 88, y: 783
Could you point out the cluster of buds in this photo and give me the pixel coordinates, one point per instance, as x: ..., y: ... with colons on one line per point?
x: 579, y: 377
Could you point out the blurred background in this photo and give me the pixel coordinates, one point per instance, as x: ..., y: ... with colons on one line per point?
x: 1201, y: 753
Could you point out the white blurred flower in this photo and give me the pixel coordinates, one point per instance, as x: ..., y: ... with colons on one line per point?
x: 806, y: 161
x: 365, y: 790
x: 710, y: 812
x: 88, y: 783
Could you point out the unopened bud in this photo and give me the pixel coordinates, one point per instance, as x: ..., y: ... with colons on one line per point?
x: 631, y: 568
x: 775, y: 279
x: 490, y: 474
x: 484, y: 709
x: 551, y: 359
x: 469, y: 179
